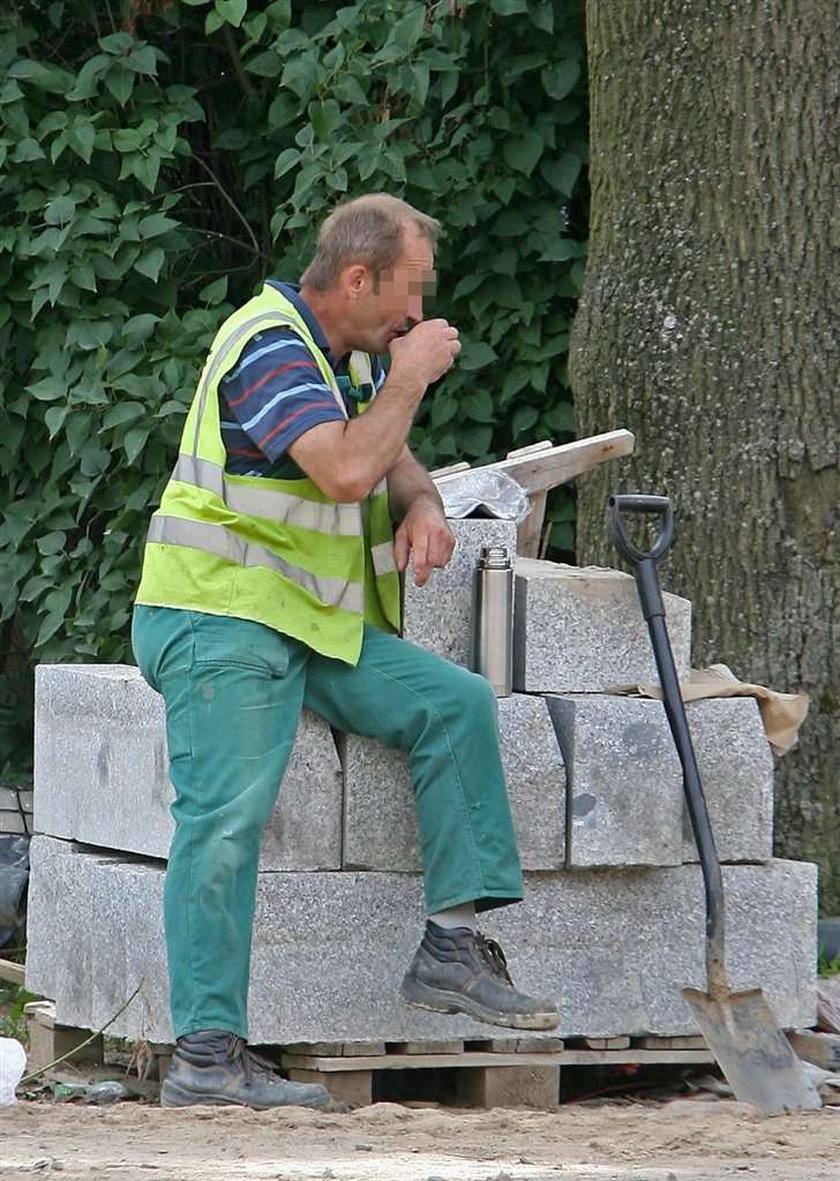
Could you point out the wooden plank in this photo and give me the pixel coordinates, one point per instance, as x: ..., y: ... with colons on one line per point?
x: 42, y: 1011
x: 531, y: 449
x: 335, y: 1049
x: 315, y: 1049
x: 450, y: 470
x: 14, y: 973
x: 425, y: 1047
x: 363, y: 1049
x: 599, y: 1043
x: 353, y: 1087
x: 529, y: 532
x: 690, y: 1042
x: 822, y: 1049
x: 479, y: 1058
x: 517, y: 1045
x: 504, y: 1086
x: 48, y: 1043
x: 546, y: 469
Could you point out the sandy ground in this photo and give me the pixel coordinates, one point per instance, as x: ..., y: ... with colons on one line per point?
x: 680, y: 1140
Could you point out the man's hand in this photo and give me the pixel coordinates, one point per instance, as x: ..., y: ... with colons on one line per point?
x: 424, y: 536
x: 425, y: 353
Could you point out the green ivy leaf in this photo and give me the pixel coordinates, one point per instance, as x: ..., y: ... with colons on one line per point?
x: 120, y: 414
x: 523, y: 152
x: 478, y: 407
x: 139, y: 328
x: 120, y: 81
x: 143, y: 60
x: 266, y: 64
x: 60, y: 211
x: 150, y: 263
x: 524, y: 417
x: 54, y: 419
x: 560, y: 78
x: 51, y: 543
x: 48, y: 389
x: 563, y: 172
x: 286, y: 161
x: 214, y: 292
x: 155, y: 224
x: 475, y: 355
x: 27, y: 151
x: 564, y: 249
x: 81, y: 138
x: 135, y: 441
x: 232, y: 11
x: 117, y: 44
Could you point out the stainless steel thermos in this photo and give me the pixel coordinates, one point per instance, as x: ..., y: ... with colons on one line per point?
x: 492, y: 637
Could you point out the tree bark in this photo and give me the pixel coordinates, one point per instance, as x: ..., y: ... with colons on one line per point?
x: 704, y: 327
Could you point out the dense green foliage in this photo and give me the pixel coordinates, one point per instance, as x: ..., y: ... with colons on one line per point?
x: 158, y: 159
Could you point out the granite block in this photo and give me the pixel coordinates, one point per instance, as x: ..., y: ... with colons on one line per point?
x: 438, y: 616
x: 380, y: 826
x: 626, y: 803
x: 101, y: 771
x: 615, y: 948
x: 580, y: 630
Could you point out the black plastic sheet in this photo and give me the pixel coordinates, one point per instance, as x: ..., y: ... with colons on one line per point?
x: 14, y: 877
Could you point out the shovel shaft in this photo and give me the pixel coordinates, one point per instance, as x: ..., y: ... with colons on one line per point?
x: 695, y: 800
x: 645, y: 572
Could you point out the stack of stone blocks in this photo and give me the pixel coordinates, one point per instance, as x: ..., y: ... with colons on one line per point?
x: 613, y: 922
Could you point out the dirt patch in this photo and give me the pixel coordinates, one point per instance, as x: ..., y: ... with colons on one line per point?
x: 682, y: 1140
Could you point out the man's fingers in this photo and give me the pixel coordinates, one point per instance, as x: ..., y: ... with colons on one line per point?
x: 440, y: 548
x: 420, y: 554
x: 401, y: 549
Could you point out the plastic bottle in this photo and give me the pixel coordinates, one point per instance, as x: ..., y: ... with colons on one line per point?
x: 492, y: 647
x: 12, y: 1066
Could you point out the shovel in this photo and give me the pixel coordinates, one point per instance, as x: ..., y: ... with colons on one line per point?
x: 739, y: 1027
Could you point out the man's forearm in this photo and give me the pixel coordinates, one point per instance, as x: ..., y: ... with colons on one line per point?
x: 375, y: 440
x: 409, y: 484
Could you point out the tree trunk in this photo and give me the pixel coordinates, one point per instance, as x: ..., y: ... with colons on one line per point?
x: 704, y: 327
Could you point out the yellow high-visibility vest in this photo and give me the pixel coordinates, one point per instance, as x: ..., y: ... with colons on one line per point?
x: 278, y: 552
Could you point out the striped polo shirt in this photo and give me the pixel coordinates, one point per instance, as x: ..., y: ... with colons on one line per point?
x: 276, y: 393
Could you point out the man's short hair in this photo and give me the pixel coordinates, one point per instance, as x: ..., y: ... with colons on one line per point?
x: 367, y: 230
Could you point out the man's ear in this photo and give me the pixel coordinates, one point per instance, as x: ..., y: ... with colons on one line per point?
x: 355, y: 279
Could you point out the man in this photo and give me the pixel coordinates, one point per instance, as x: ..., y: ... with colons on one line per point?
x: 271, y: 581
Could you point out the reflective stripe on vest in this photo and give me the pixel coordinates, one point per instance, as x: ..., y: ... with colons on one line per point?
x: 335, y: 518
x: 215, y: 539
x: 383, y: 558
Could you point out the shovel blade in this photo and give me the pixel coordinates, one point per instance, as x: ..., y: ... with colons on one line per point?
x: 754, y: 1054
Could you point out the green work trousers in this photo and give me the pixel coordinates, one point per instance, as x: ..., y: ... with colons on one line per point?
x: 233, y: 692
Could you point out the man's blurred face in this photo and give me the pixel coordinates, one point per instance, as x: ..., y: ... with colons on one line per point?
x: 389, y: 307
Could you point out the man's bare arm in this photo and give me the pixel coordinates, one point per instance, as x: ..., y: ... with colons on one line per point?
x: 346, y: 460
x: 423, y: 534
x: 408, y: 484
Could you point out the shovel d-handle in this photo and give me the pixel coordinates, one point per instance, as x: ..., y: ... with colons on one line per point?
x: 643, y: 561
x: 643, y: 564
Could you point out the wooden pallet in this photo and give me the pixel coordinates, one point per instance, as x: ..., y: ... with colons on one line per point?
x: 49, y: 1041
x: 499, y: 1072
x: 495, y: 1072
x: 11, y: 972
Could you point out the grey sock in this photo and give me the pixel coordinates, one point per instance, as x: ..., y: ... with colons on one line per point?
x: 455, y: 916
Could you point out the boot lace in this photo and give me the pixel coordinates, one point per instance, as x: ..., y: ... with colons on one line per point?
x: 494, y: 957
x: 251, y: 1063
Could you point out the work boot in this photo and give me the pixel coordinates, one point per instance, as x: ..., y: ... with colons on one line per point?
x: 216, y: 1067
x: 459, y: 971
